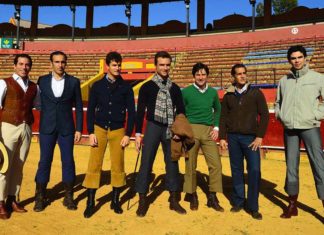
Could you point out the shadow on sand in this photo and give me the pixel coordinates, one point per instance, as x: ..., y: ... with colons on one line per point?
x: 268, y: 189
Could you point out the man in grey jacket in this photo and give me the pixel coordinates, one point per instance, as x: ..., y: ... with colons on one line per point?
x: 300, y: 108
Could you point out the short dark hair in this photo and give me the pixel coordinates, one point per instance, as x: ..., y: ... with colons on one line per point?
x: 161, y: 54
x: 58, y: 53
x: 296, y: 48
x: 113, y: 56
x: 23, y: 56
x: 236, y: 66
x: 198, y: 66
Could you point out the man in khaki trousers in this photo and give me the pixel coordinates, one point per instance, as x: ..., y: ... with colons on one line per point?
x: 203, y: 112
x: 18, y: 95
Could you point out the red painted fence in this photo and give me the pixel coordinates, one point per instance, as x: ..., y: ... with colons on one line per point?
x: 272, y: 139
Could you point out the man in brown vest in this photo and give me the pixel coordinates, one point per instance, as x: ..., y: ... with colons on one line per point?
x: 18, y: 95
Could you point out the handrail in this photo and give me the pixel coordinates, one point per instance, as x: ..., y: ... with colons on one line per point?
x: 85, y: 87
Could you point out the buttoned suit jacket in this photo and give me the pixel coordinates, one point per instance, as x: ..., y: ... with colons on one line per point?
x: 56, y: 114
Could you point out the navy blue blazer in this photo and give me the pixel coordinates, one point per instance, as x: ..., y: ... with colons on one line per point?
x: 107, y: 107
x: 56, y: 113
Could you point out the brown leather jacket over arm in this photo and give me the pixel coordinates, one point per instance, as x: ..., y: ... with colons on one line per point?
x: 181, y: 127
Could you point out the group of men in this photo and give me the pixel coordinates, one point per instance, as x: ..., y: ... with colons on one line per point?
x: 239, y: 123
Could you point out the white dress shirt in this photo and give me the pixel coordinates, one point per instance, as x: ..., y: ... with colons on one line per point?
x: 58, y: 86
x: 241, y: 91
x: 199, y: 89
x: 22, y: 84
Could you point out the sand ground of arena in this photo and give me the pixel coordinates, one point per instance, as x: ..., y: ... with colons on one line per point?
x: 159, y: 219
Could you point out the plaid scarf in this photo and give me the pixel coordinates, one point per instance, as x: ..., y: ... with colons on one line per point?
x: 163, y: 107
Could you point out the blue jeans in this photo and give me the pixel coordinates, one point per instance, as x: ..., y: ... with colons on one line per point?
x: 47, y: 144
x: 238, y: 148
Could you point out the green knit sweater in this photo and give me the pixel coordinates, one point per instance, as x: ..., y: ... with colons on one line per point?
x: 201, y: 108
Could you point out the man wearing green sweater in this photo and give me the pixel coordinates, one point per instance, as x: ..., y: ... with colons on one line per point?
x: 203, y: 111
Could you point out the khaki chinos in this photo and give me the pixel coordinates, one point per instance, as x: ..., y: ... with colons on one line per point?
x: 210, y: 151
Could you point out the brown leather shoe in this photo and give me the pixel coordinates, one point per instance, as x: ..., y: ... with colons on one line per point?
x: 13, y: 205
x: 18, y: 208
x: 291, y: 209
x: 3, y: 211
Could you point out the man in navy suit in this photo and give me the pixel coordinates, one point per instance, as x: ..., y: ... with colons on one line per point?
x: 59, y: 92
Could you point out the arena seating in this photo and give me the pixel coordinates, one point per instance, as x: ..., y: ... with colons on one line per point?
x: 266, y: 62
x: 83, y: 66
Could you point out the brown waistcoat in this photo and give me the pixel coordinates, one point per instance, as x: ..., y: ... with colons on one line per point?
x: 17, y: 104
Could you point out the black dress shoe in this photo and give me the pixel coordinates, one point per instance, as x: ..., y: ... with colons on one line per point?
x: 193, y: 199
x: 212, y: 202
x: 235, y: 209
x: 68, y: 201
x: 174, y: 203
x: 116, y: 207
x: 142, y: 205
x: 256, y: 215
x: 90, y: 209
x: 40, y: 198
x: 115, y: 203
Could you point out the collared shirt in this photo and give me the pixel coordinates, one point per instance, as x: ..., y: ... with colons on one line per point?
x: 241, y: 91
x: 23, y: 84
x: 201, y: 90
x: 110, y: 80
x: 58, y: 86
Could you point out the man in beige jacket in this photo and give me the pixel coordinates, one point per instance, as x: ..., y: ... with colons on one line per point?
x: 300, y: 108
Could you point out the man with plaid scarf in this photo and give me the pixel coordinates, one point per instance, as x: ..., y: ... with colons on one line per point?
x: 162, y: 100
